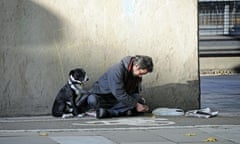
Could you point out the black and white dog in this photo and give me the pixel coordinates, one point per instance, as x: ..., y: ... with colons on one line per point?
x: 68, y: 99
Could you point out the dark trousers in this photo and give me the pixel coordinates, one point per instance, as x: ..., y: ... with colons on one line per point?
x: 110, y: 103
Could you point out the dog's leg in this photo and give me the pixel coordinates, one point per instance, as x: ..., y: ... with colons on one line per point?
x: 58, y: 108
x: 82, y: 104
x: 75, y: 109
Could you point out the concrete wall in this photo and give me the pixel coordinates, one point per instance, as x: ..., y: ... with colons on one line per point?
x: 42, y: 40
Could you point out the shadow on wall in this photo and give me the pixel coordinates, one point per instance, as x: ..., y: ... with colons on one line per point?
x: 175, y: 95
x: 237, y: 69
x: 28, y: 23
x: 26, y: 57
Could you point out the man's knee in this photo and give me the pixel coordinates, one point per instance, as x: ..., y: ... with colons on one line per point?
x: 92, y: 101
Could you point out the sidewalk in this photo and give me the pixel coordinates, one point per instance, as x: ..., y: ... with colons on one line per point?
x: 125, y: 130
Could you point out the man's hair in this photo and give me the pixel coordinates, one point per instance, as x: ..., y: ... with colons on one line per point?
x: 144, y: 62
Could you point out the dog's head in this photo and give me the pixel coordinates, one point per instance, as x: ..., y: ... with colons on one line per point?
x: 78, y: 76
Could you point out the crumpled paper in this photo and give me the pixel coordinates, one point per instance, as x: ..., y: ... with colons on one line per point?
x: 202, y: 113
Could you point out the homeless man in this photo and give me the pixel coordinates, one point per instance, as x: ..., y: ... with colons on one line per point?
x: 117, y: 92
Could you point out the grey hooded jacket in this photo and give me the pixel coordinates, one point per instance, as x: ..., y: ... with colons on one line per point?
x: 114, y: 82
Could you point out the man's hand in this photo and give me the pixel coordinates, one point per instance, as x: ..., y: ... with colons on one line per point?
x: 142, y: 108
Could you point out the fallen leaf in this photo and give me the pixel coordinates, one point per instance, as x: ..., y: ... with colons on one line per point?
x: 211, y: 139
x: 190, y: 134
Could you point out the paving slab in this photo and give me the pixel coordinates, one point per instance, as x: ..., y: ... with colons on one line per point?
x: 131, y: 136
x: 232, y: 133
x: 186, y: 135
x: 82, y: 140
x: 26, y: 140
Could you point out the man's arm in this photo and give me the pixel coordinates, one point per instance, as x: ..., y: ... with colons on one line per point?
x: 116, y: 84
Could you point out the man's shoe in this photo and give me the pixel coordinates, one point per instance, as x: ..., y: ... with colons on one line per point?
x: 102, y: 113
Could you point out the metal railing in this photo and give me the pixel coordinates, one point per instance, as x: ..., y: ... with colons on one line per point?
x: 219, y: 17
x: 219, y: 28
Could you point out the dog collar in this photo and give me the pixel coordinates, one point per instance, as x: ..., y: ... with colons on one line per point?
x: 76, y: 85
x: 74, y: 80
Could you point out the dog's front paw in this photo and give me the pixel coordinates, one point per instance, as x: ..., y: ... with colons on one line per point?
x: 81, y: 115
x: 70, y: 115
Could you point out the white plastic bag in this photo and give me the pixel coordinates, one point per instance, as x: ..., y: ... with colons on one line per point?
x: 168, y: 112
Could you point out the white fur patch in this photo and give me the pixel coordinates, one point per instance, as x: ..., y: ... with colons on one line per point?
x: 72, y: 79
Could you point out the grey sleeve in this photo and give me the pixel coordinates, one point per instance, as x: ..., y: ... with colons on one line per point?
x: 116, y: 84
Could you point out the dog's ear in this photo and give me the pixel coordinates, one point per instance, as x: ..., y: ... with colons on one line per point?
x: 71, y: 72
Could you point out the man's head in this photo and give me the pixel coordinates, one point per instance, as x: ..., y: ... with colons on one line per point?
x: 142, y: 65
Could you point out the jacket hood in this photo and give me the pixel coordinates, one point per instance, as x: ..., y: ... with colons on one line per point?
x: 125, y: 61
